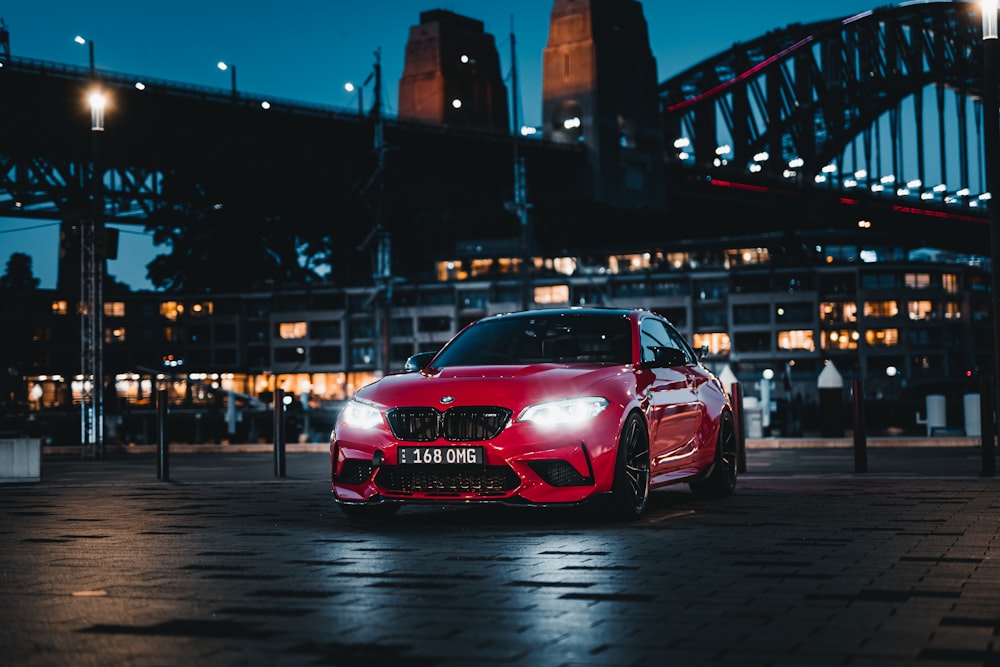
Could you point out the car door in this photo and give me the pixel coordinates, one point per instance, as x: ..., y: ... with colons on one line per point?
x: 672, y: 403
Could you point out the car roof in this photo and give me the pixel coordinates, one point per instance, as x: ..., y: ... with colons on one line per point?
x: 572, y: 310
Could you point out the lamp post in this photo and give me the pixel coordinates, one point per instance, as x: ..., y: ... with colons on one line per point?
x: 90, y: 47
x: 222, y: 65
x: 93, y: 252
x: 350, y: 87
x: 991, y: 119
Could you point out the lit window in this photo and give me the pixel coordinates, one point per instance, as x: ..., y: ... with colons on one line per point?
x: 800, y: 339
x: 114, y: 335
x: 837, y: 311
x: 918, y: 280
x: 921, y: 310
x: 843, y: 339
x: 171, y: 310
x: 881, y: 309
x: 114, y: 308
x: 952, y: 311
x: 714, y: 342
x: 950, y: 282
x: 290, y: 330
x: 552, y: 294
x: 200, y: 309
x: 60, y: 308
x: 882, y: 337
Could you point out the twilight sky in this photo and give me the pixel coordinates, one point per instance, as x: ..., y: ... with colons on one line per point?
x: 306, y: 50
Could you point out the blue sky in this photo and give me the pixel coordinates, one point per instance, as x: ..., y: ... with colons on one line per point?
x: 307, y: 49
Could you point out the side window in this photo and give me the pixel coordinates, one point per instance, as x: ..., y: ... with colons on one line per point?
x: 655, y: 333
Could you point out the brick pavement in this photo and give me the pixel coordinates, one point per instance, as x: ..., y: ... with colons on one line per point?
x: 227, y: 565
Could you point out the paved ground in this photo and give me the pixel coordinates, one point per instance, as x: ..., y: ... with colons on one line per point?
x: 808, y: 564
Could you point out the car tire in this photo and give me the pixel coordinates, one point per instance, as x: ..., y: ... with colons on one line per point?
x: 721, y: 481
x: 630, y: 488
x: 373, y: 512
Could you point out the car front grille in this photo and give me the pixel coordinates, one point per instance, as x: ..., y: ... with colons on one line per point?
x: 461, y: 424
x: 448, y: 480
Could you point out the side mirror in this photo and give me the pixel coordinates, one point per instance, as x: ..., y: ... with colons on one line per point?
x: 418, y: 361
x: 665, y: 357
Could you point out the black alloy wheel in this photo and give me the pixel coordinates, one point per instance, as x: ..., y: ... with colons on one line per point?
x: 721, y: 482
x: 630, y: 489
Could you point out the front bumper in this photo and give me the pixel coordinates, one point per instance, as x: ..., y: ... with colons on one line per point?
x: 521, y: 466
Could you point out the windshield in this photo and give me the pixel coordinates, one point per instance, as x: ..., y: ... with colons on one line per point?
x: 550, y: 338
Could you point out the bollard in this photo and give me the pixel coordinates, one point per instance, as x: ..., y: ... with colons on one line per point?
x: 988, y: 426
x: 279, y: 433
x: 741, y: 433
x: 860, y: 436
x: 162, y: 446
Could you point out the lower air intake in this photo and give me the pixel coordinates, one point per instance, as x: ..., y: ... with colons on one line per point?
x: 448, y: 480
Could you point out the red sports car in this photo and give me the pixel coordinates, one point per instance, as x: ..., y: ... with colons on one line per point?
x: 540, y: 407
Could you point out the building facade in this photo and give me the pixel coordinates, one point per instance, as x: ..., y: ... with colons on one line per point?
x: 906, y: 324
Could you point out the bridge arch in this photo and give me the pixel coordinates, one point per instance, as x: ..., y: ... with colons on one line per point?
x: 887, y: 102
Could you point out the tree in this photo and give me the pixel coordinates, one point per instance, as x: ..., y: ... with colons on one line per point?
x: 233, y: 240
x: 19, y: 275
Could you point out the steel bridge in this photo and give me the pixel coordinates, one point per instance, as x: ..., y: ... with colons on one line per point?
x: 883, y: 110
x: 875, y: 117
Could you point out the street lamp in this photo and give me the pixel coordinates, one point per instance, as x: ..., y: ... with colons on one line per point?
x: 232, y: 74
x: 93, y: 253
x: 90, y: 47
x: 991, y: 119
x: 97, y: 104
x: 350, y: 87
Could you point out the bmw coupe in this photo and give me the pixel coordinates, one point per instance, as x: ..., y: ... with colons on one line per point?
x: 541, y: 407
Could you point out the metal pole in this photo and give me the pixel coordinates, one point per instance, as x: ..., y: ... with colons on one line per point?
x: 986, y: 425
x: 741, y: 432
x: 991, y: 120
x: 162, y: 446
x: 279, y: 432
x: 860, y: 435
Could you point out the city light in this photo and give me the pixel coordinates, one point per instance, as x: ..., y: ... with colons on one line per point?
x: 97, y: 102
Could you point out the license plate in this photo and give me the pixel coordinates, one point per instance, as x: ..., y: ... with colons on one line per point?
x: 441, y: 455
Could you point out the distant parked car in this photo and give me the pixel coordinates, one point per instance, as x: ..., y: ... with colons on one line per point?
x: 541, y: 407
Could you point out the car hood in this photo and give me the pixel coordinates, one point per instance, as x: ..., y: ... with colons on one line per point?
x: 509, y: 386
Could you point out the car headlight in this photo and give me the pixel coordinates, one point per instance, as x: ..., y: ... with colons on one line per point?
x: 569, y: 411
x: 360, y: 415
